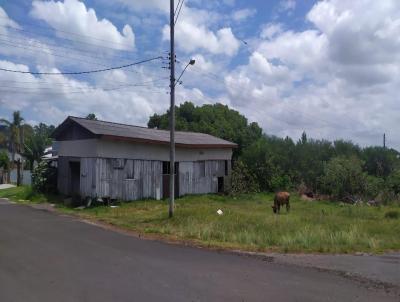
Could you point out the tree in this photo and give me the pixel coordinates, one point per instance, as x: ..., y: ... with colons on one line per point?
x: 217, y: 119
x: 14, y: 133
x: 91, y: 116
x: 4, y: 160
x: 37, y: 142
x: 343, y: 177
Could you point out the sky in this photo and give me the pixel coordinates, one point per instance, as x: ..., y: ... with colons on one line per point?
x: 330, y: 68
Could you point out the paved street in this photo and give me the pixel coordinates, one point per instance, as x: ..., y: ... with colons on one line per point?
x: 49, y: 257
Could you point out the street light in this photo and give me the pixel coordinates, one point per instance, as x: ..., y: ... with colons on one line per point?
x: 191, y: 62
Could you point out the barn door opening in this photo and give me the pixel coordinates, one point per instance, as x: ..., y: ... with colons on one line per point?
x: 166, y: 173
x: 75, y: 181
x: 220, y: 184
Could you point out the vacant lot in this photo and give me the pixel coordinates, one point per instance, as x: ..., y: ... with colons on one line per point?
x: 248, y: 223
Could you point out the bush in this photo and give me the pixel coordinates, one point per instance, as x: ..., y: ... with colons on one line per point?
x: 280, y: 182
x: 392, y: 215
x: 373, y: 186
x: 393, y: 182
x: 243, y: 181
x: 4, y: 160
x: 44, y: 178
x: 343, y: 177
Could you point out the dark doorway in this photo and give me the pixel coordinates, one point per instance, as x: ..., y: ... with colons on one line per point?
x: 75, y: 180
x: 166, y: 174
x: 220, y: 185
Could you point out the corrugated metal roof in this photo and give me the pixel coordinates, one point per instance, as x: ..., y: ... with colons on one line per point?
x: 116, y: 130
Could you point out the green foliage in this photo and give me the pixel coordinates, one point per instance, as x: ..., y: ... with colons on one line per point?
x: 243, y: 181
x: 343, y: 177
x: 91, y: 116
x: 281, y: 164
x: 379, y: 161
x: 4, y: 160
x: 392, y: 215
x: 248, y: 223
x: 37, y: 142
x: 217, y: 120
x: 393, y: 181
x: 373, y: 186
x: 44, y: 178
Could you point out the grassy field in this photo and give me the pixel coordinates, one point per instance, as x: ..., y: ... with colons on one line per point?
x: 249, y: 224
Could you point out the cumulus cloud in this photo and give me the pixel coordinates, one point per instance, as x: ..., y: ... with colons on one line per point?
x: 54, y: 97
x: 339, y: 78
x: 73, y: 16
x: 193, y: 33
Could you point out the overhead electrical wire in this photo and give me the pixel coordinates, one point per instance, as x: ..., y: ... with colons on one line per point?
x: 51, y: 28
x: 179, y: 10
x: 63, y: 38
x: 81, y: 72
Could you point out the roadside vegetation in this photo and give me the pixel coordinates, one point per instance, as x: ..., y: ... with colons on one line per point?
x: 344, y: 198
x: 247, y: 222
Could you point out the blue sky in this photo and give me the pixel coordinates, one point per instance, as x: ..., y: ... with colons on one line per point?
x: 328, y: 67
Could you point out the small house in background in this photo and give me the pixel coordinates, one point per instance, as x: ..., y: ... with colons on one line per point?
x: 117, y: 161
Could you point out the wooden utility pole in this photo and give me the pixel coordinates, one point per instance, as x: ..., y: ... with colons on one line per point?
x: 172, y: 112
x: 384, y: 141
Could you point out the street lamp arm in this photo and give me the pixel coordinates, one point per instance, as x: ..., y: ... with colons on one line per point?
x: 191, y: 62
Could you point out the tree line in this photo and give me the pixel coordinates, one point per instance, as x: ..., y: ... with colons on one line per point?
x: 265, y: 162
x: 19, y: 137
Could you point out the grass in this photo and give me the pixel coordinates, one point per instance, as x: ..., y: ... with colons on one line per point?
x: 249, y: 224
x: 25, y: 194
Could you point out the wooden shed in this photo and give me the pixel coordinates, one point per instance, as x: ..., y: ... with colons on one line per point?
x: 118, y: 161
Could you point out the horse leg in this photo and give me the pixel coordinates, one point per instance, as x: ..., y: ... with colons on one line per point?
x: 287, y: 207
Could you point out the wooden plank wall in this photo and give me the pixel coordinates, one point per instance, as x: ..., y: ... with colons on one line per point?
x: 128, y: 179
x: 192, y: 180
x: 124, y: 179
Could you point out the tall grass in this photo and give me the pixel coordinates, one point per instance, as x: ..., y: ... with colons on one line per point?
x: 248, y: 223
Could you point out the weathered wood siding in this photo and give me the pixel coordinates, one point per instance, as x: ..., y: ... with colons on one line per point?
x: 200, y: 177
x: 64, y: 174
x: 124, y: 179
x: 129, y: 179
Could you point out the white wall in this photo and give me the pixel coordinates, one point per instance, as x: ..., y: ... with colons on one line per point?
x: 131, y: 150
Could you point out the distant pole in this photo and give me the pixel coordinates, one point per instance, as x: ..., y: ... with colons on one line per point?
x: 384, y: 141
x: 172, y: 112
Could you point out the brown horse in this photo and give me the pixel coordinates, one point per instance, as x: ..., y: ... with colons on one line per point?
x: 281, y: 198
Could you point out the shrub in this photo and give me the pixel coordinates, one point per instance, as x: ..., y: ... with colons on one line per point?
x: 343, y: 177
x: 243, y: 181
x: 44, y: 178
x: 4, y: 160
x: 392, y: 215
x: 393, y: 182
x: 373, y: 186
x: 280, y: 182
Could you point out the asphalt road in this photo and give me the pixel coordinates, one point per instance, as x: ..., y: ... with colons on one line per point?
x: 49, y: 257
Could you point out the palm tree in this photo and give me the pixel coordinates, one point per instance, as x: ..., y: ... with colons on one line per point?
x: 15, y: 135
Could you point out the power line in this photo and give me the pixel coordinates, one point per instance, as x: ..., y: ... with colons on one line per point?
x: 81, y: 72
x: 179, y: 11
x: 177, y: 6
x: 66, y: 32
x: 62, y: 38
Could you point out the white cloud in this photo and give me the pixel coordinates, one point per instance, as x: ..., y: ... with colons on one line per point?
x: 270, y: 30
x: 73, y: 16
x: 243, y: 14
x: 338, y: 80
x: 287, y: 5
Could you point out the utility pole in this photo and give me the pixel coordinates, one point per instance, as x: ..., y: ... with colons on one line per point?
x: 384, y: 140
x: 172, y: 112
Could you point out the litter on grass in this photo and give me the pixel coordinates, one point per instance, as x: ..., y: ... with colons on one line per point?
x: 219, y: 212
